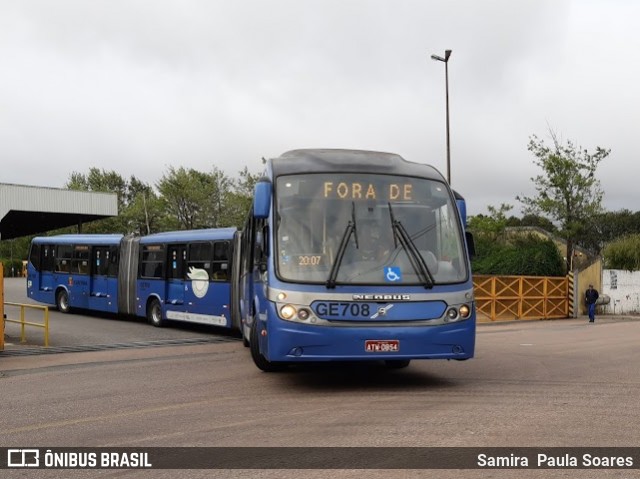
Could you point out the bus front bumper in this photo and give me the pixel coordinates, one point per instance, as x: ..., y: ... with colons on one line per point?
x: 293, y: 342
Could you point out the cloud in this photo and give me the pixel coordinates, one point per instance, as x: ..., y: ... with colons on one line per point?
x: 136, y: 86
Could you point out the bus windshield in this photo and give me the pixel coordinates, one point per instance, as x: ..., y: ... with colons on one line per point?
x: 395, y: 229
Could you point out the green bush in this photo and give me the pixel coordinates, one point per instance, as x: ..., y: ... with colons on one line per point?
x: 527, y: 256
x: 7, y: 263
x: 623, y: 253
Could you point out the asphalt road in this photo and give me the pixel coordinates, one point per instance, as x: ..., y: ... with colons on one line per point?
x: 531, y: 384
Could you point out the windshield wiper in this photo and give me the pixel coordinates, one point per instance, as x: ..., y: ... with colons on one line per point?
x: 416, y: 259
x: 350, y: 229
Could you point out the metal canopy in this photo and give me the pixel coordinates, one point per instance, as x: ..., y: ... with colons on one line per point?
x: 27, y: 210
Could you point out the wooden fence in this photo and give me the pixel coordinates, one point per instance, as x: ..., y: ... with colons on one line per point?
x: 506, y: 298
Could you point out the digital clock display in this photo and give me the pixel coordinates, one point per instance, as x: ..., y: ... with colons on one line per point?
x: 309, y: 260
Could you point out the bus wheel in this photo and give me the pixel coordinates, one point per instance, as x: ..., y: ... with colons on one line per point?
x: 257, y: 356
x: 397, y: 363
x: 154, y: 313
x: 62, y: 301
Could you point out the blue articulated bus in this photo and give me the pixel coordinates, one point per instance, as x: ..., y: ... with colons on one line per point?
x: 180, y: 276
x: 355, y: 255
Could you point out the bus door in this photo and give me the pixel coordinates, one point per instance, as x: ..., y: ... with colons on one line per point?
x: 209, y: 295
x: 47, y: 268
x: 177, y: 258
x: 102, y: 282
x: 40, y: 284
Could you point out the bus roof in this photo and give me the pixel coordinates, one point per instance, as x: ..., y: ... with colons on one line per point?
x: 97, y: 239
x: 350, y: 161
x: 190, y: 235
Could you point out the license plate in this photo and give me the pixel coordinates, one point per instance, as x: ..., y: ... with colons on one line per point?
x: 382, y: 345
x: 345, y: 310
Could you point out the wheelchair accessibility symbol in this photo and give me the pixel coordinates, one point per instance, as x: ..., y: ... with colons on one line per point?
x: 392, y: 274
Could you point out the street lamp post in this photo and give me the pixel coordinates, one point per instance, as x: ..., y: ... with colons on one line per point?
x: 447, y: 54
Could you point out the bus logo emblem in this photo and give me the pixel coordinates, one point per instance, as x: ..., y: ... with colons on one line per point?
x: 199, y: 281
x: 382, y: 311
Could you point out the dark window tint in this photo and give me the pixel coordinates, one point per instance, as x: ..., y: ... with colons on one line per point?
x: 80, y: 262
x: 177, y: 261
x: 48, y: 258
x: 64, y: 257
x: 100, y: 260
x: 200, y: 257
x: 34, y: 256
x: 220, y: 265
x: 152, y: 263
x: 112, y: 257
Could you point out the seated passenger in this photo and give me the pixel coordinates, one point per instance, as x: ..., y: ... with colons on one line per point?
x: 372, y: 246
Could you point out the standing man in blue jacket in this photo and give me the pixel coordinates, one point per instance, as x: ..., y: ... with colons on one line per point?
x: 591, y: 296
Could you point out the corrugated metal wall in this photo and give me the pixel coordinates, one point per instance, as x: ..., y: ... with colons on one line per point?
x: 53, y: 200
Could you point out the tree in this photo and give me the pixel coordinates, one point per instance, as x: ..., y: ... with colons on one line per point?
x: 239, y: 199
x: 538, y: 221
x: 568, y: 190
x: 107, y: 182
x: 194, y: 199
x: 12, y: 252
x: 145, y: 213
x: 491, y: 226
x: 609, y: 226
x: 138, y: 206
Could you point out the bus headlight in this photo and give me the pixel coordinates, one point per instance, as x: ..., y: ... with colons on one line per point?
x: 287, y: 311
x: 452, y: 314
x: 299, y: 313
x: 465, y: 311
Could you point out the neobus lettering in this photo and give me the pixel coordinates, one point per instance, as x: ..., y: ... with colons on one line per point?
x: 359, y: 191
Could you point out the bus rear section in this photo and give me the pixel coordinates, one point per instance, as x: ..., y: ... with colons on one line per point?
x: 75, y: 272
x: 181, y: 276
x: 355, y: 256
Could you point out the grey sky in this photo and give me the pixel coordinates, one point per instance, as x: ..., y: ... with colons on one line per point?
x: 135, y: 86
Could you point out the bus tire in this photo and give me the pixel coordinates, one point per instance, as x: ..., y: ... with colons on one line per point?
x: 62, y: 301
x: 397, y: 363
x: 260, y: 361
x: 154, y: 313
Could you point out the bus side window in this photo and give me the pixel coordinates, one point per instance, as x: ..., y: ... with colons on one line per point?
x: 246, y: 255
x: 200, y: 255
x: 177, y: 261
x: 34, y: 256
x: 80, y: 260
x: 102, y: 260
x: 63, y: 259
x: 152, y: 261
x: 220, y: 265
x: 112, y: 256
x: 48, y: 258
x: 261, y: 244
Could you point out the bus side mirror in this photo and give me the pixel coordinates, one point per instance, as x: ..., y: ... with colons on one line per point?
x: 262, y: 199
x: 462, y: 208
x: 471, y: 245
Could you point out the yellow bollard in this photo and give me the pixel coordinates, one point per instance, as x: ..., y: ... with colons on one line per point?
x: 1, y: 308
x: 23, y: 333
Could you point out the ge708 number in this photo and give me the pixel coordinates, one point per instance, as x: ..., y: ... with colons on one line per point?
x: 342, y: 309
